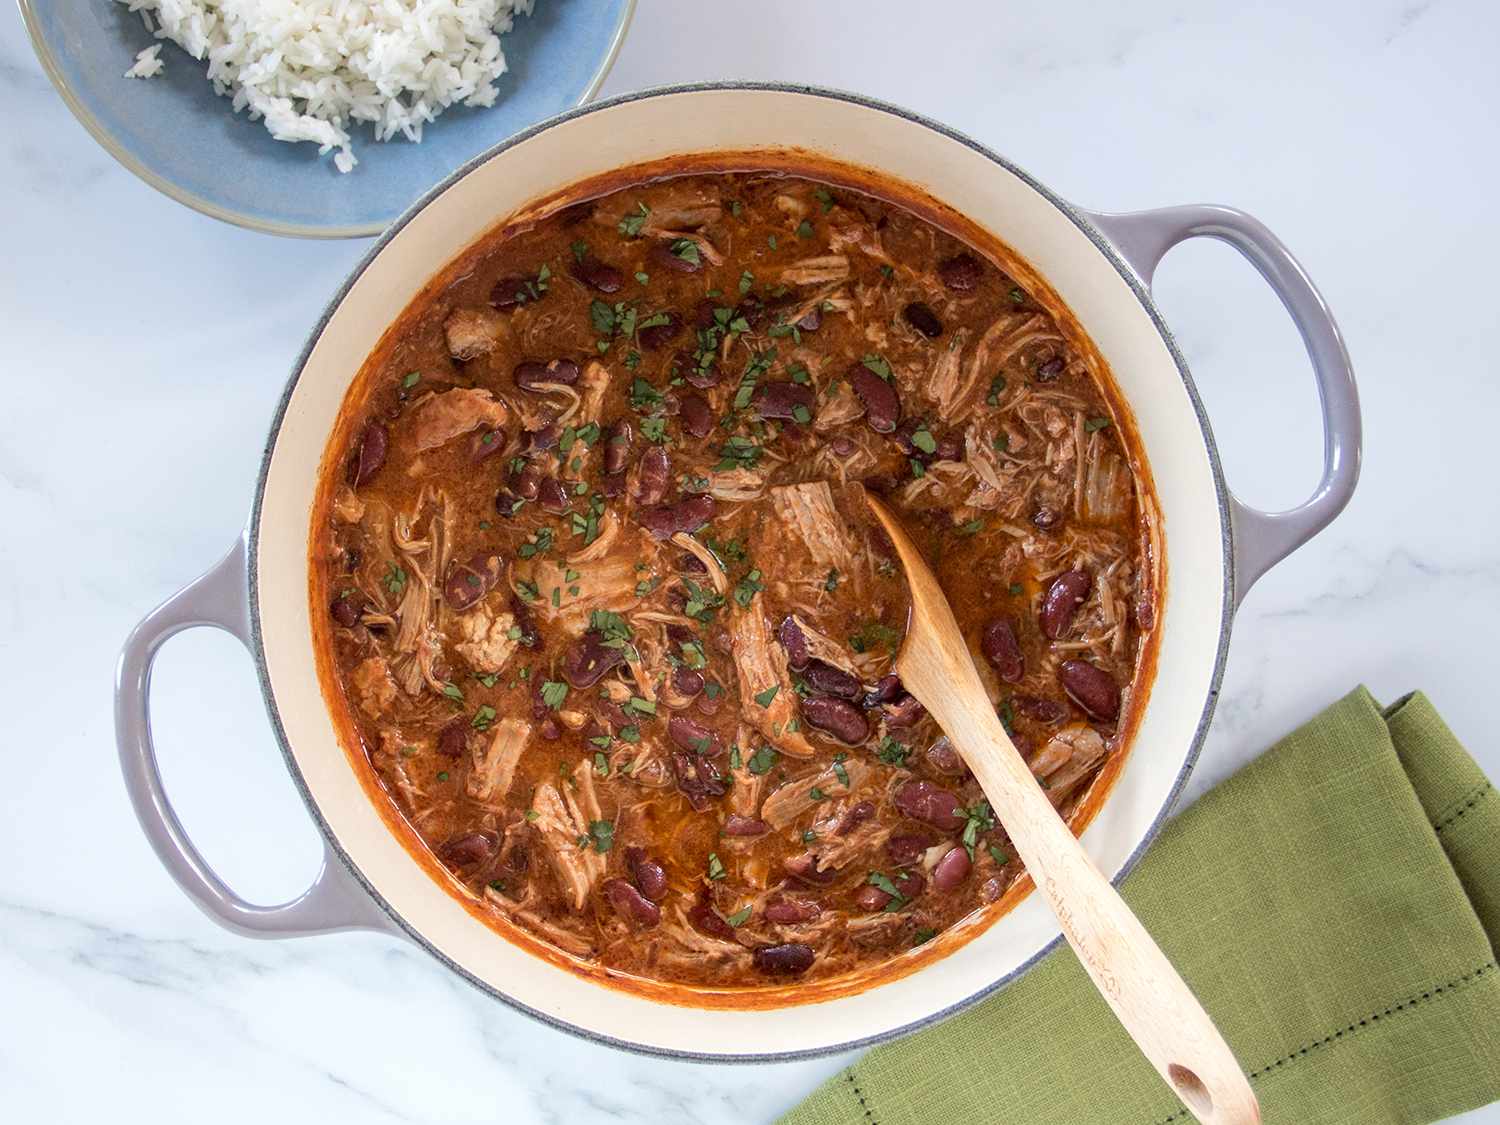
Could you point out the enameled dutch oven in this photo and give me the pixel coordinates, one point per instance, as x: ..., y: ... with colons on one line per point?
x: 1100, y: 264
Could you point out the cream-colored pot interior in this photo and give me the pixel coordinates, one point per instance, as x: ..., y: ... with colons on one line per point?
x: 1194, y: 618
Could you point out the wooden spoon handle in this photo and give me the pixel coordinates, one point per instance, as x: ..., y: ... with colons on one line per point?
x: 1153, y: 1003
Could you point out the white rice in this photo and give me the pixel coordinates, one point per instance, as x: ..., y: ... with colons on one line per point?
x: 312, y: 68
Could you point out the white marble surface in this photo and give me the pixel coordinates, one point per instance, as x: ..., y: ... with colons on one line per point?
x: 145, y: 347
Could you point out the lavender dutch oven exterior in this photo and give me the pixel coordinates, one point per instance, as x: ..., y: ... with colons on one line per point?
x: 1102, y: 265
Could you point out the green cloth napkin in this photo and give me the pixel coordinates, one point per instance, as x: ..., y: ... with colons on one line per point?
x: 1336, y: 907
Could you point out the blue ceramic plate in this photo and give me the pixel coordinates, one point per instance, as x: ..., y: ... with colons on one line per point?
x: 174, y: 133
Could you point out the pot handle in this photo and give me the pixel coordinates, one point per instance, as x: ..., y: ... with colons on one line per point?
x: 1262, y: 539
x: 335, y: 901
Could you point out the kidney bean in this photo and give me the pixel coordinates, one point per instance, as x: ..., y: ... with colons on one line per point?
x: 1000, y: 647
x: 529, y: 373
x: 1068, y: 591
x: 694, y: 736
x: 657, y: 336
x: 1046, y: 518
x: 709, y: 705
x: 647, y: 874
x: 687, y: 516
x: 804, y: 868
x: 942, y: 757
x: 612, y: 485
x: 952, y: 869
x: 737, y: 825
x: 527, y: 483
x: 829, y: 680
x: 661, y: 255
x: 374, y: 441
x: 907, y: 848
x: 511, y: 291
x: 993, y: 888
x: 1035, y: 707
x: 453, y: 739
x: 698, y: 779
x: 485, y: 444
x: 701, y: 376
x: 467, y: 582
x: 854, y: 818
x: 908, y: 883
x: 346, y: 609
x: 1049, y: 370
x: 795, y: 643
x: 783, y: 399
x: 697, y: 418
x: 617, y: 446
x: 812, y: 321
x: 631, y: 904
x: 588, y: 659
x: 703, y: 314
x: 705, y: 919
x: 469, y: 848
x: 654, y: 477
x: 923, y: 319
x: 598, y: 276
x: 931, y: 804
x: 530, y: 636
x: 904, y: 713
x: 837, y: 717
x: 882, y: 403
x: 686, y: 682
x: 786, y: 911
x: 552, y: 494
x: 539, y: 441
x: 789, y: 960
x: 960, y: 273
x: 1091, y: 687
x: 550, y: 729
x: 887, y: 689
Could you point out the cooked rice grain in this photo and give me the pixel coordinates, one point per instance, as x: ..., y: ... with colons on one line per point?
x: 311, y: 68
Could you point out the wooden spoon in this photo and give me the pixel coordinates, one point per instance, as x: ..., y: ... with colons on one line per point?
x: 1156, y: 1008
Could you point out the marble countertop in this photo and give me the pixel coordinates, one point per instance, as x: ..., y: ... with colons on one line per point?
x: 146, y: 346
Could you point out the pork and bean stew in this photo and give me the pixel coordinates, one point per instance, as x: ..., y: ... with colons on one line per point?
x: 605, y: 612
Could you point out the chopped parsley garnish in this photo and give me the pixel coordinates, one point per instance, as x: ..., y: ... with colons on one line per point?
x: 1016, y: 296
x: 1094, y: 424
x: 631, y: 733
x: 748, y: 587
x: 687, y: 250
x: 453, y: 691
x: 442, y: 775
x: 489, y: 679
x: 701, y: 604
x: 997, y: 855
x: 972, y: 527
x: 692, y: 655
x: 630, y: 225
x: 882, y: 882
x: 553, y: 693
x: 527, y: 590
x: 739, y: 917
x: 816, y: 794
x: 737, y: 453
x: 747, y: 279
x: 536, y: 545
x: 874, y: 633
x: 411, y: 379
x: 640, y: 706
x: 715, y: 866
x: 654, y: 429
x: 612, y: 628
x: 891, y: 752
x: 831, y: 583
x: 997, y: 388
x: 878, y: 364
x: 922, y: 438
x: 1017, y: 589
x: 483, y: 717
x: 602, y: 832
x: 841, y: 773
x: 980, y: 819
x: 804, y: 229
x: 923, y: 936
x: 763, y: 760
x: 601, y: 763
x: 825, y: 197
x: 764, y: 698
x: 395, y: 579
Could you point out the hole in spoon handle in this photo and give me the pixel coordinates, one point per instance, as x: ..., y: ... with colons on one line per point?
x: 1190, y: 1089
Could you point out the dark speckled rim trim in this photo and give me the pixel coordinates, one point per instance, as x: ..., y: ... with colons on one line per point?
x: 1104, y: 247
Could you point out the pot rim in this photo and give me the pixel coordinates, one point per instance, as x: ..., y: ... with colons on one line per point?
x: 1073, y: 214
